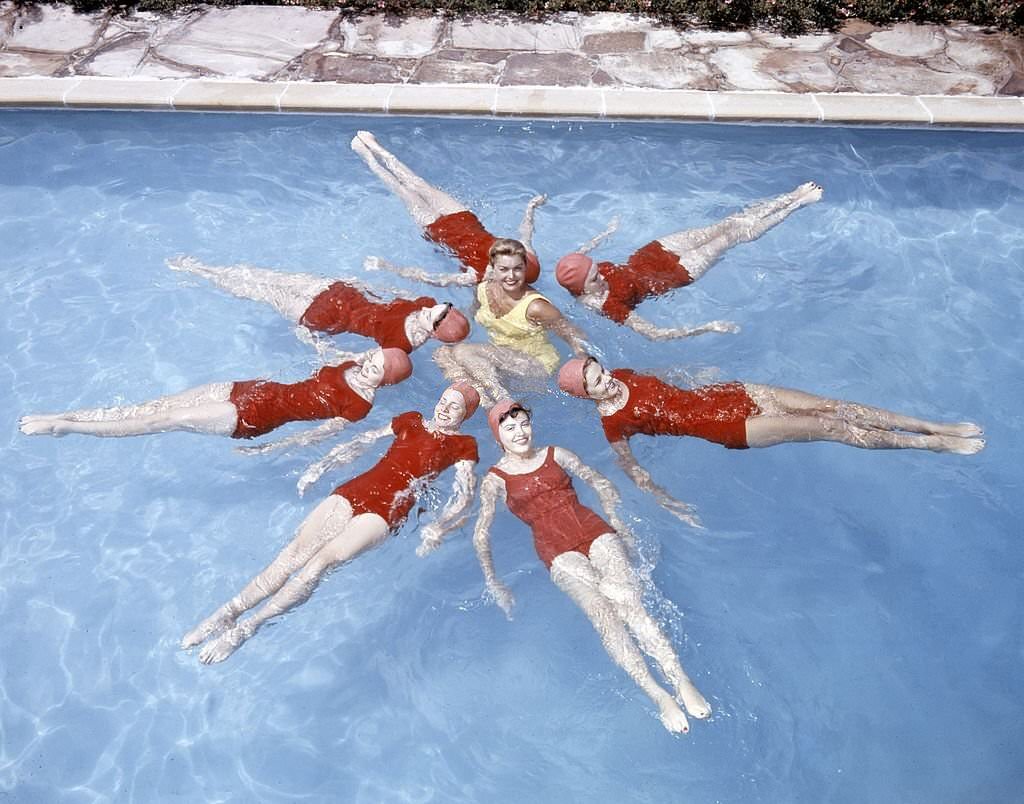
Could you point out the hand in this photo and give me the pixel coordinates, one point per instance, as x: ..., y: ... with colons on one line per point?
x: 720, y: 326
x: 256, y: 449
x: 537, y: 201
x: 430, y: 540
x: 308, y: 479
x: 684, y: 511
x: 373, y: 264
x: 625, y: 531
x: 503, y: 596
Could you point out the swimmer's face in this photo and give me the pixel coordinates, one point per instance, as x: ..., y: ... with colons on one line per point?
x: 509, y: 271
x: 594, y: 283
x: 600, y: 384
x: 450, y: 409
x: 516, y: 433
x: 372, y: 369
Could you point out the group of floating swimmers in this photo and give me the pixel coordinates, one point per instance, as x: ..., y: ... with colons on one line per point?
x: 588, y: 556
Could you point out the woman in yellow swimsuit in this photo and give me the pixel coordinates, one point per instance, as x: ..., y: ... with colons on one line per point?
x: 517, y: 319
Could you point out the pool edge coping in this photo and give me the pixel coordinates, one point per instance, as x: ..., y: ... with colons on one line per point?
x: 605, y: 103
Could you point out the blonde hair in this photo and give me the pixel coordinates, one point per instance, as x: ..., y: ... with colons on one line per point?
x: 506, y: 247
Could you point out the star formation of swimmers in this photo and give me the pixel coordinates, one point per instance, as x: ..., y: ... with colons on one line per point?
x: 588, y: 556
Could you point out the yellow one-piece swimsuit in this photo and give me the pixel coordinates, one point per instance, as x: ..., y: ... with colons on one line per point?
x: 515, y: 331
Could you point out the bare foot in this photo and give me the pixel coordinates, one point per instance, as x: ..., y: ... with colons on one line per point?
x: 808, y: 193
x: 224, y: 645
x: 694, y: 702
x: 34, y: 424
x: 959, y: 446
x: 217, y: 621
x: 959, y: 429
x: 672, y: 717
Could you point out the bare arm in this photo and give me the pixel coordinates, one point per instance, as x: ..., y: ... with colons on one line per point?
x: 605, y: 489
x: 327, y: 352
x: 684, y: 511
x: 491, y: 490
x: 543, y: 312
x: 304, y: 439
x: 526, y: 227
x: 596, y: 240
x: 454, y: 513
x: 458, y: 278
x: 656, y: 333
x: 341, y: 454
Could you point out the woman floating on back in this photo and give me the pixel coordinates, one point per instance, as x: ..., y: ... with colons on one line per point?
x: 741, y: 415
x: 444, y: 220
x: 341, y: 394
x: 358, y: 516
x: 585, y: 554
x: 315, y: 304
x: 670, y: 262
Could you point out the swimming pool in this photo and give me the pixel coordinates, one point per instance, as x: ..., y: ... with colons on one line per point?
x: 853, y: 616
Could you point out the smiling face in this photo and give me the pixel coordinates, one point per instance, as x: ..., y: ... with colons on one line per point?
x: 371, y: 370
x: 599, y: 383
x: 509, y: 272
x: 515, y: 433
x: 450, y: 410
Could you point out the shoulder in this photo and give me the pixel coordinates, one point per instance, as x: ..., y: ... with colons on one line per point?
x: 403, y: 421
x: 467, y: 448
x: 540, y: 308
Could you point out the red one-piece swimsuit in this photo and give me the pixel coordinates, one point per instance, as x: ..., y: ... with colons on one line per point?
x: 463, y: 235
x: 546, y: 501
x: 344, y: 308
x: 264, y: 405
x: 651, y: 271
x: 716, y: 413
x: 415, y: 457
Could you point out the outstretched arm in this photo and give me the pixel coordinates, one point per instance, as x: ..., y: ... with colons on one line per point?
x: 605, y: 489
x: 454, y: 513
x: 656, y: 333
x: 684, y: 511
x: 458, y: 278
x: 341, y: 454
x: 596, y: 240
x: 304, y: 439
x: 490, y: 491
x: 326, y: 352
x: 526, y: 227
x: 543, y: 312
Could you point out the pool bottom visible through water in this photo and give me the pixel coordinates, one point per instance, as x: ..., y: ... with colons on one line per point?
x: 853, y: 616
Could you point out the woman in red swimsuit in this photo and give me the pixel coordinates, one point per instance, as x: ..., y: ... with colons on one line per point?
x: 341, y: 394
x: 443, y: 219
x: 315, y: 304
x: 359, y: 515
x: 670, y: 262
x: 586, y: 556
x: 741, y: 415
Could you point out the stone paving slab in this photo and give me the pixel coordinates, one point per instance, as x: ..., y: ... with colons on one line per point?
x: 600, y: 64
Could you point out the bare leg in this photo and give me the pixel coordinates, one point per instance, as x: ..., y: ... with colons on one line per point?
x: 767, y: 431
x: 774, y: 400
x: 573, y: 573
x: 482, y: 365
x: 364, y: 532
x: 324, y: 523
x: 699, y: 249
x: 619, y: 585
x: 205, y: 409
x: 425, y: 202
x: 289, y: 294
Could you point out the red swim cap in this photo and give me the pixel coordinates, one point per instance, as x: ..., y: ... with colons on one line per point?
x: 470, y: 396
x: 570, y: 377
x: 397, y: 366
x: 453, y: 328
x: 532, y: 268
x: 571, y: 272
x: 494, y: 415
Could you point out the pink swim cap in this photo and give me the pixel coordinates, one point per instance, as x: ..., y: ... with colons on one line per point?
x: 397, y: 366
x: 494, y: 414
x: 571, y: 272
x: 453, y: 328
x: 470, y: 396
x: 532, y: 268
x: 570, y: 377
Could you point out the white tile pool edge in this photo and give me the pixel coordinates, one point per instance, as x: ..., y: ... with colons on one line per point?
x: 487, y: 99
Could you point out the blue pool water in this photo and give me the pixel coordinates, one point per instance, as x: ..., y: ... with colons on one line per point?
x: 854, y: 617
